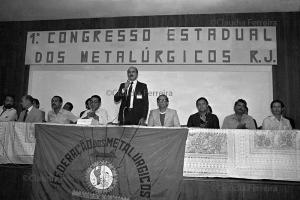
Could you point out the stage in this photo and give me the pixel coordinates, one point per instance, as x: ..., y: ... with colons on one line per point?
x: 218, y: 164
x: 17, y: 179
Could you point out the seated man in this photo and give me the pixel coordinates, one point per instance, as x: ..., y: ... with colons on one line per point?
x: 203, y: 118
x: 276, y: 121
x: 239, y: 120
x: 163, y: 116
x: 68, y: 106
x: 30, y: 113
x: 96, y: 112
x: 59, y: 115
x: 7, y: 111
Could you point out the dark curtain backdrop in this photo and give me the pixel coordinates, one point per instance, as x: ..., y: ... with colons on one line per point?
x: 286, y: 76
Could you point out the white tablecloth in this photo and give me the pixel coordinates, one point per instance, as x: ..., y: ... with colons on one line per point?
x: 251, y: 154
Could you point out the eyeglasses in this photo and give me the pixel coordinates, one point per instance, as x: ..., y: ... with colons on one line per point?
x: 162, y: 100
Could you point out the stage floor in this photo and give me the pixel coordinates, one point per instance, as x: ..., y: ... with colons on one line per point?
x: 16, y: 185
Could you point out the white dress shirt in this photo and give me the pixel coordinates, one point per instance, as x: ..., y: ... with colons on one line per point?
x: 29, y: 109
x: 101, y: 113
x: 8, y: 114
x: 272, y: 123
x: 132, y: 92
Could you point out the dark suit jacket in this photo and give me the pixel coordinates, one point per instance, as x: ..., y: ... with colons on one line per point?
x: 140, y: 105
x: 35, y: 115
x: 212, y: 121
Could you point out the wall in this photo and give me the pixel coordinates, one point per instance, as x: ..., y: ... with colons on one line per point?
x: 222, y: 85
x: 286, y: 76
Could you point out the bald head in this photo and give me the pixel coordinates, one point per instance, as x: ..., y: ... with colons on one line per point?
x: 132, y: 73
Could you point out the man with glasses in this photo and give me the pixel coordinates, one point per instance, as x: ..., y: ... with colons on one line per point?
x: 163, y: 116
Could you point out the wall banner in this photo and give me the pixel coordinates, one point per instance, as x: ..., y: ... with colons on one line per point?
x: 154, y: 46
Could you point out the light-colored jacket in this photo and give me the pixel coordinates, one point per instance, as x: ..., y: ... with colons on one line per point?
x: 171, y: 118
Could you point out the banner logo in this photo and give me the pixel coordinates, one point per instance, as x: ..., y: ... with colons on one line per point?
x: 101, y: 177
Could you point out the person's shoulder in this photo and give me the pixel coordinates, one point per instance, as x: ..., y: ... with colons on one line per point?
x: 229, y: 116
x: 194, y: 115
x: 154, y: 110
x: 36, y: 110
x: 171, y: 110
x: 141, y: 84
x: 249, y: 116
x: 10, y: 109
x: 65, y: 112
x: 13, y: 110
x: 285, y: 119
x: 270, y: 117
x: 103, y: 110
x: 213, y: 116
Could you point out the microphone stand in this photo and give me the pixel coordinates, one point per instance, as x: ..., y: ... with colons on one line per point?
x: 123, y: 112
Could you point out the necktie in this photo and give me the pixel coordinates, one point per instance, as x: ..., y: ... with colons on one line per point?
x: 129, y: 94
x: 25, y: 115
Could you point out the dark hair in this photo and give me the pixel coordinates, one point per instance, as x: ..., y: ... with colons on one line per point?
x: 29, y: 98
x: 96, y: 96
x: 59, y: 97
x: 277, y: 101
x: 163, y: 95
x: 87, y: 101
x: 36, y: 101
x: 70, y: 105
x: 210, y: 109
x: 201, y: 98
x: 240, y: 101
x: 137, y: 71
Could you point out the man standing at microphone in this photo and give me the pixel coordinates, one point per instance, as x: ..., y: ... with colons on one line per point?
x: 134, y: 100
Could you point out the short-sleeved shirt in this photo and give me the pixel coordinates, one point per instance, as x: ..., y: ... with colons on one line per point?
x: 8, y: 114
x: 101, y: 113
x: 62, y: 117
x: 232, y: 122
x: 272, y: 123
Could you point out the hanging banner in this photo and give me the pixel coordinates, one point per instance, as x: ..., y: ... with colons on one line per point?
x: 154, y: 46
x: 73, y: 162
